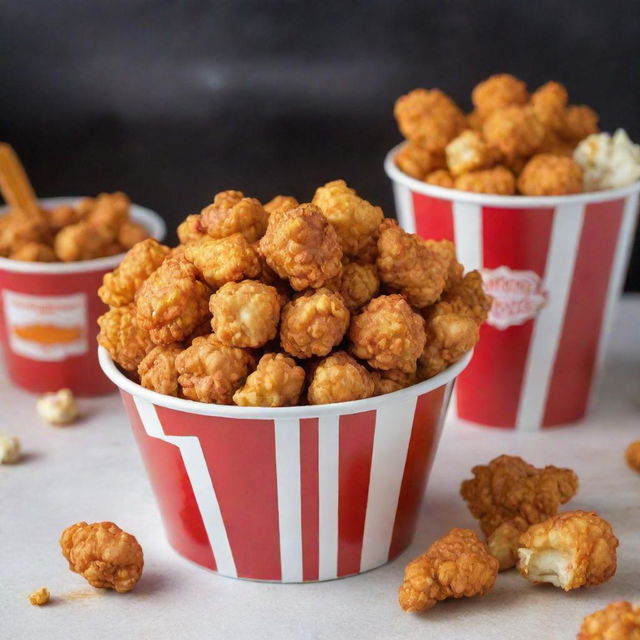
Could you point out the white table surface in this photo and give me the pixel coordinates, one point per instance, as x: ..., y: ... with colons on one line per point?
x: 92, y: 471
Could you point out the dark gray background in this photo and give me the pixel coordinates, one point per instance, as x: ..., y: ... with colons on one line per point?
x: 173, y: 101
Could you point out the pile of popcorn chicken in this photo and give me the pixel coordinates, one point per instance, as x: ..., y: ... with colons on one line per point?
x: 289, y: 303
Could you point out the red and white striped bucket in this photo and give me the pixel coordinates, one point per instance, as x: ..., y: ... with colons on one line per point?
x: 555, y: 267
x: 49, y: 313
x: 292, y: 494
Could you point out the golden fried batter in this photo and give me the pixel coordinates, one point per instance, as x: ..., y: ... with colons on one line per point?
x: 550, y: 175
x: 190, y: 229
x: 440, y: 178
x: 339, y: 378
x: 499, y: 181
x: 514, y: 131
x: 549, y: 103
x: 418, y: 162
x: 109, y: 211
x: 34, y: 252
x: 232, y: 213
x: 357, y: 284
x: 469, y: 152
x: 130, y: 233
x: 157, y: 370
x: 447, y: 252
x: 580, y: 121
x: 497, y: 92
x: 503, y: 542
x: 392, y: 380
x: 466, y: 296
x: 632, y: 455
x: 17, y: 231
x: 455, y: 566
x: 62, y: 216
x: 281, y: 202
x: 83, y: 241
x: 617, y: 621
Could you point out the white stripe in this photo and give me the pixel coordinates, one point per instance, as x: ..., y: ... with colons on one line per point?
x: 200, y: 479
x: 287, y: 432
x: 394, y: 423
x: 561, y: 257
x: 467, y: 230
x: 328, y: 446
x: 440, y: 426
x: 404, y: 207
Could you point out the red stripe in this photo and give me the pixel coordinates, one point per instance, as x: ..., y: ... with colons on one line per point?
x: 171, y: 486
x: 489, y: 388
x: 433, y: 217
x: 309, y: 490
x: 416, y: 471
x: 240, y: 456
x: 575, y: 360
x: 354, y: 467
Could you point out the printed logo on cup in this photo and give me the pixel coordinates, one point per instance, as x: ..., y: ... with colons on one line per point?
x: 46, y: 328
x: 518, y: 296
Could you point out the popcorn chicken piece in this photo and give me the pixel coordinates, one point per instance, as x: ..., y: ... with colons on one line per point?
x: 119, y: 286
x: 497, y: 92
x: 62, y: 216
x: 429, y: 118
x: 514, y: 131
x: 302, y: 246
x: 339, y: 378
x: 157, y: 370
x: 211, y: 371
x: 276, y: 382
x: 503, y: 542
x: 392, y: 380
x: 16, y: 231
x: 469, y: 152
x: 281, y: 202
x: 109, y: 212
x: 58, y: 408
x: 130, y: 233
x: 411, y: 266
x: 440, y: 178
x: 232, y: 213
x: 9, y: 449
x: 549, y: 103
x: 388, y: 334
x: 580, y: 121
x: 447, y: 251
x: 357, y: 284
x: 245, y: 314
x: 84, y: 241
x: 617, y: 621
x: 418, y: 162
x: 34, y: 252
x: 569, y: 550
x: 124, y: 339
x: 354, y: 219
x: 466, y: 297
x: 313, y: 323
x: 229, y: 259
x: 39, y: 597
x: 191, y: 229
x: 103, y: 554
x: 549, y: 175
x: 632, y: 455
x: 171, y: 302
x: 498, y: 181
x: 455, y: 566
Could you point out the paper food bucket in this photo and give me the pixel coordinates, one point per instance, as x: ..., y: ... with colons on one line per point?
x: 292, y: 494
x: 555, y: 267
x: 48, y: 315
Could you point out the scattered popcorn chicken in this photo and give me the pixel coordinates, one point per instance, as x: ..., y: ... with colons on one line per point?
x: 632, y: 454
x: 455, y: 566
x: 9, y: 449
x: 569, y: 550
x: 617, y: 621
x: 102, y: 553
x: 58, y: 408
x: 39, y: 597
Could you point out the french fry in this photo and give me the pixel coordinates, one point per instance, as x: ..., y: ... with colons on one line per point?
x: 14, y: 183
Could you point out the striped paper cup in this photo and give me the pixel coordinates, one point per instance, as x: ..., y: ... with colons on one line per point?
x: 555, y: 267
x: 292, y: 494
x: 49, y: 313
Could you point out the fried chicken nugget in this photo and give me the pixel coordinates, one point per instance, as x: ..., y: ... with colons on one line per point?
x: 357, y: 284
x: 120, y: 285
x: 232, y: 213
x: 210, y: 371
x: 62, y: 216
x: 467, y: 297
x: 354, y: 219
x: 130, y: 233
x: 569, y: 550
x: 514, y: 131
x: 550, y: 175
x: 440, y: 178
x: 281, y: 202
x: 245, y: 314
x: 302, y: 246
x: 392, y: 380
x: 580, y: 121
x: 109, y: 211
x: 17, y: 231
x: 172, y: 302
x: 617, y: 621
x: 497, y: 92
x: 447, y: 251
x: 34, y: 252
x: 276, y: 382
x: 469, y: 152
x: 388, y: 334
x: 124, y: 339
x: 157, y: 370
x: 84, y: 241
x: 340, y: 378
x: 411, y: 266
x: 455, y: 566
x: 418, y: 162
x: 499, y: 181
x: 313, y: 323
x: 191, y: 229
x: 549, y: 103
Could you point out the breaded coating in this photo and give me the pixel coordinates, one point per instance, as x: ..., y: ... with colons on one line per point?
x: 429, y: 118
x: 83, y: 241
x: 62, y: 216
x: 474, y: 121
x: 281, y: 202
x: 455, y: 566
x: 368, y: 254
x: 440, y: 178
x: 580, y: 121
x: 632, y: 455
x: 157, y: 370
x: 211, y: 371
x: 245, y: 314
x: 498, y: 181
x: 497, y: 92
x: 551, y: 143
x: 276, y: 382
x: 418, y: 162
x: 232, y: 213
x: 549, y: 175
x: 223, y: 260
x: 617, y: 621
x: 339, y: 378
x: 354, y: 219
x: 119, y: 287
x: 514, y: 131
x: 392, y: 380
x: 313, y: 323
x: 411, y: 266
x: 17, y: 231
x: 388, y: 334
x: 34, y: 252
x: 549, y: 103
x: 503, y: 542
x: 357, y: 284
x: 302, y: 246
x: 172, y: 302
x: 109, y: 211
x: 121, y: 335
x: 130, y: 233
x: 103, y: 554
x: 569, y: 550
x: 191, y: 229
x: 447, y: 251
x: 469, y: 152
x: 466, y: 296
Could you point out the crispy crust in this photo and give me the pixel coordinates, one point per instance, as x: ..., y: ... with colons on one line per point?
x: 157, y: 370
x: 232, y: 213
x: 340, y: 378
x: 550, y: 175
